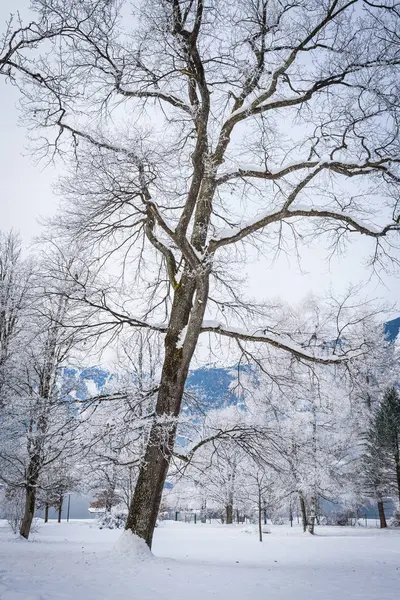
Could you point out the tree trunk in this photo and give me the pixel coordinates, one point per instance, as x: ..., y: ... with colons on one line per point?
x: 46, y: 513
x: 30, y: 495
x: 30, y: 501
x: 146, y: 499
x: 260, y: 535
x: 229, y: 514
x: 303, y: 513
x: 313, y: 509
x: 265, y: 514
x: 381, y: 511
x: 204, y: 512
x: 110, y: 492
x: 60, y: 505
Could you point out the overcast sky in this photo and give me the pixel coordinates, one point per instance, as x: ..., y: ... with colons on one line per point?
x: 27, y: 196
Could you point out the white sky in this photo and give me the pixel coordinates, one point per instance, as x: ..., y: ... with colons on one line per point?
x: 26, y: 196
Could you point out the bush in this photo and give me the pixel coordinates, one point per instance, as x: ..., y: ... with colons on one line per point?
x: 395, y: 520
x: 340, y: 518
x: 13, y: 507
x: 115, y: 519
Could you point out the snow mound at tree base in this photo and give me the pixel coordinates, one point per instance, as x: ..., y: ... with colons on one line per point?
x: 131, y: 545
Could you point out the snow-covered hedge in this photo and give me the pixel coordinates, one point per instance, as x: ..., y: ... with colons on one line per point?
x: 115, y: 519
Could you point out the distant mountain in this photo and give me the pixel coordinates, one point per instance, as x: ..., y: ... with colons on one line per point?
x: 391, y: 329
x: 213, y: 386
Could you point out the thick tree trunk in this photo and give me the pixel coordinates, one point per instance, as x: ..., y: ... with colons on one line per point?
x: 146, y: 499
x: 30, y: 495
x: 46, y: 513
x: 303, y: 513
x: 30, y: 501
x: 229, y: 514
x: 381, y: 511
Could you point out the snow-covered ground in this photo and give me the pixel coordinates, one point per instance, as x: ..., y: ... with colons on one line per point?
x: 77, y: 561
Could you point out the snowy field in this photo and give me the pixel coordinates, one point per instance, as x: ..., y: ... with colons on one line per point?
x: 77, y: 561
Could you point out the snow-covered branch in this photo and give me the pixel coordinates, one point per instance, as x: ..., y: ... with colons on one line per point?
x: 347, y: 168
x: 261, y: 336
x: 256, y: 224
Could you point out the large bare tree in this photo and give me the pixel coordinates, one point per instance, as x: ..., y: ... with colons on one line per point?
x: 197, y: 130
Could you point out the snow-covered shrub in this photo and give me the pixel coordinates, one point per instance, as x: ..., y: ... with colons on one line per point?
x: 360, y: 523
x: 395, y: 520
x: 115, y: 519
x: 253, y: 529
x: 13, y: 508
x: 342, y: 519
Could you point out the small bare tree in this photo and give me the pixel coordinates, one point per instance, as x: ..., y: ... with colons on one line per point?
x: 15, y: 279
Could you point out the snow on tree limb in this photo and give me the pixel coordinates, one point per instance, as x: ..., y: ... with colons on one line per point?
x: 268, y: 338
x: 261, y: 221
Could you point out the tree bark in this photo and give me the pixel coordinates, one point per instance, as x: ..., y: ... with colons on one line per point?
x: 381, y: 511
x: 46, y: 513
x: 313, y: 515
x: 30, y: 495
x: 146, y: 499
x: 60, y: 505
x: 303, y: 513
x: 30, y: 501
x: 204, y: 512
x: 229, y: 514
x: 260, y: 535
